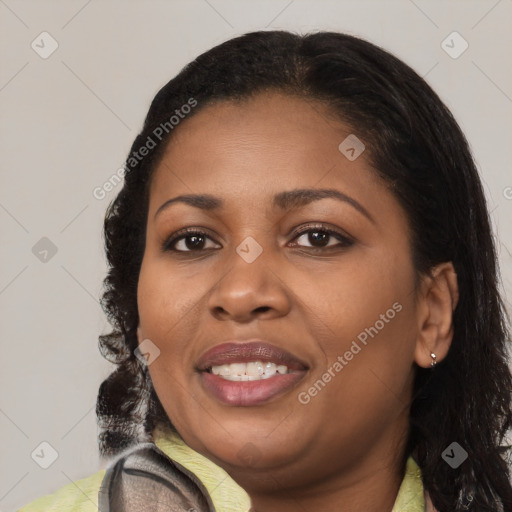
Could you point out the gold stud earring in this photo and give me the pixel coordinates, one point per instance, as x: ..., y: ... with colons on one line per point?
x: 433, y: 362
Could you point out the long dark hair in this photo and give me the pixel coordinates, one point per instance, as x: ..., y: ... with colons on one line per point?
x: 419, y: 150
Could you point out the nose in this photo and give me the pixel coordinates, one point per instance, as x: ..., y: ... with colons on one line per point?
x: 249, y: 291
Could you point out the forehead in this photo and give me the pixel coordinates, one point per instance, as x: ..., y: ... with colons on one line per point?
x: 269, y: 139
x: 247, y: 154
x: 261, y: 118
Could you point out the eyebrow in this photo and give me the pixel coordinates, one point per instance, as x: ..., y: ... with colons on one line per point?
x: 287, y: 200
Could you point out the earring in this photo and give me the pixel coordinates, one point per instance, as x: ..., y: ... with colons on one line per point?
x: 433, y: 362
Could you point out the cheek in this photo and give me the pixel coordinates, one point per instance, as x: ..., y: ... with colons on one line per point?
x: 169, y: 305
x: 163, y: 313
x: 365, y: 294
x: 365, y: 385
x: 164, y: 298
x: 369, y: 343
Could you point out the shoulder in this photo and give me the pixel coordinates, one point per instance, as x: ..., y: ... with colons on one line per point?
x: 82, y: 495
x: 78, y: 496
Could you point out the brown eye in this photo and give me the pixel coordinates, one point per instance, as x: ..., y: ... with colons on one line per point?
x: 320, y: 237
x: 189, y: 241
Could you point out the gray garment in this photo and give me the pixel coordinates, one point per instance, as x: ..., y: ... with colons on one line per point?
x: 145, y: 479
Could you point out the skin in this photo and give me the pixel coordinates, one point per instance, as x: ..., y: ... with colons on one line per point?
x: 343, y: 450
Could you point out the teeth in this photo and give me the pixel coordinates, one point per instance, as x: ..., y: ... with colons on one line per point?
x: 270, y: 369
x: 237, y: 368
x: 254, y: 370
x: 282, y: 369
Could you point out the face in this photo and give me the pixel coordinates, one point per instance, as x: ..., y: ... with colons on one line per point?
x: 325, y: 280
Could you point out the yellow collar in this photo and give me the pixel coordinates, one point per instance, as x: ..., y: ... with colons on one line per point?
x: 410, y: 496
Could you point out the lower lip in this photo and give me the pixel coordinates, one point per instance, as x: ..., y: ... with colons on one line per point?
x: 247, y: 393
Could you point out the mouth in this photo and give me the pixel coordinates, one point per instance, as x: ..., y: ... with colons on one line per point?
x: 249, y: 373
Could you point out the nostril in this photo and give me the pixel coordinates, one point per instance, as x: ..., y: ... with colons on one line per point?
x: 262, y: 309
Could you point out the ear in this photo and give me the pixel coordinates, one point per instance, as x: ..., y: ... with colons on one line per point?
x: 438, y: 297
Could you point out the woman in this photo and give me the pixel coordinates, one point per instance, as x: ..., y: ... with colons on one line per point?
x: 303, y: 286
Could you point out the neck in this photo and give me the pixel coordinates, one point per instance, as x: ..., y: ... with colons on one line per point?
x: 370, y: 482
x: 376, y: 492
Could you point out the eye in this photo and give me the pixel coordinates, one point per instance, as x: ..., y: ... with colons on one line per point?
x: 189, y: 240
x: 320, y: 236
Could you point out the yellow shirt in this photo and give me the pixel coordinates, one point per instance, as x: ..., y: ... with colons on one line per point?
x: 227, y: 496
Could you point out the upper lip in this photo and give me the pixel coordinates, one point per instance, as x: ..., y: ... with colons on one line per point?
x: 246, y: 351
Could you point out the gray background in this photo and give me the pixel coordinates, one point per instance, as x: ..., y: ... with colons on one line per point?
x: 67, y: 123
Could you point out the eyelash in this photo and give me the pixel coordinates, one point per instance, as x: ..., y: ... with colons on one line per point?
x: 344, y: 240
